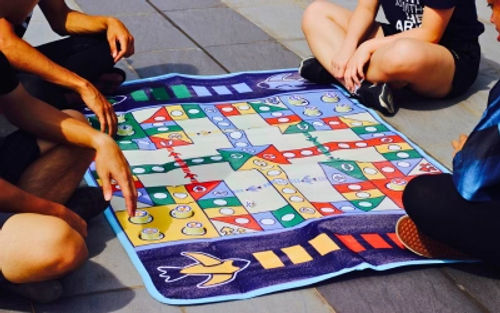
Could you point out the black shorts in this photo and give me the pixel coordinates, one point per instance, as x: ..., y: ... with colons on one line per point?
x: 467, y: 55
x: 8, y: 79
x: 17, y: 151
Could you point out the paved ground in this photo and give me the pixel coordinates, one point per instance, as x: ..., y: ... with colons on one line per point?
x: 214, y: 37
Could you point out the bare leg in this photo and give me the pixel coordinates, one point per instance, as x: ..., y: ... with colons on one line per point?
x: 39, y: 247
x: 325, y: 26
x: 426, y: 68
x: 59, y: 170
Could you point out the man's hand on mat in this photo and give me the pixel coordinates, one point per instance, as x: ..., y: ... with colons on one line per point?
x: 111, y: 164
x: 104, y: 111
x: 121, y: 42
x: 354, y: 72
x: 70, y: 217
x: 459, y: 143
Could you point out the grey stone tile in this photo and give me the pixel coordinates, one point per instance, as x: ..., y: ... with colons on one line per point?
x: 170, y: 5
x: 125, y: 301
x: 109, y: 267
x: 190, y: 61
x: 262, y: 55
x: 287, y: 26
x: 299, y: 47
x: 481, y: 282
x: 153, y: 32
x: 115, y: 7
x: 408, y: 290
x: 11, y: 303
x: 217, y: 26
x: 297, y: 301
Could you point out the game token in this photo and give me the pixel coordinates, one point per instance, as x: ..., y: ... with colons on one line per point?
x: 140, y: 217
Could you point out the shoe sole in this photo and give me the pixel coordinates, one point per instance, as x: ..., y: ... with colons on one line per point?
x: 422, y: 245
x: 388, y: 105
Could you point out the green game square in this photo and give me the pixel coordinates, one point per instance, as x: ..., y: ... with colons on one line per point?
x: 347, y: 167
x: 363, y: 204
x: 284, y: 213
x: 371, y: 129
x: 402, y: 155
x: 126, y: 144
x: 154, y: 130
x: 193, y: 111
x: 160, y: 94
x: 139, y: 95
x: 211, y: 203
x: 160, y: 195
x: 302, y: 127
x: 261, y: 107
x: 181, y: 91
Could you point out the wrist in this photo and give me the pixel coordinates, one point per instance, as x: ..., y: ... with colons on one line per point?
x: 101, y: 140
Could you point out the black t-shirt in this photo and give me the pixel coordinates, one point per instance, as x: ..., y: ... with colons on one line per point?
x: 407, y: 14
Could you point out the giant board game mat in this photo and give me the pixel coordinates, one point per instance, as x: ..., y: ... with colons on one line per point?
x: 256, y: 182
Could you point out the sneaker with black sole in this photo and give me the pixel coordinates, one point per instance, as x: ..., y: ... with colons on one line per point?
x: 40, y: 292
x: 88, y: 202
x: 377, y: 96
x: 312, y: 70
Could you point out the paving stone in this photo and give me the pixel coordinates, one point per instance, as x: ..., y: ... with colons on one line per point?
x: 217, y: 26
x: 280, y: 20
x: 124, y: 301
x: 299, y: 47
x: 297, y: 301
x: 115, y: 7
x: 480, y: 281
x: 109, y: 267
x: 170, y: 5
x: 152, y: 32
x: 255, y: 56
x: 191, y: 61
x: 412, y: 290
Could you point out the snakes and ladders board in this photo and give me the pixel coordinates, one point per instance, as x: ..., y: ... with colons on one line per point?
x: 256, y: 182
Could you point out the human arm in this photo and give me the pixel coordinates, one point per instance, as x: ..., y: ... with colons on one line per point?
x: 65, y: 21
x: 14, y: 199
x: 432, y: 28
x: 25, y: 58
x: 37, y: 117
x: 360, y: 22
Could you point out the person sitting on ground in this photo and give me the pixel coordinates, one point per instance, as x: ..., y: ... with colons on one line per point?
x: 62, y: 73
x: 43, y: 212
x: 453, y: 215
x: 429, y: 46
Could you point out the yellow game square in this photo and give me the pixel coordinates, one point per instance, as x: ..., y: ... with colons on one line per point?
x: 297, y: 254
x: 268, y: 259
x: 324, y: 244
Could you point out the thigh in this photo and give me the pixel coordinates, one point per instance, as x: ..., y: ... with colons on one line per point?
x: 87, y: 55
x: 427, y: 68
x: 437, y: 208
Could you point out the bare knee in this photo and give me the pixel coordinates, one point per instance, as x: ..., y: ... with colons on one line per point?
x: 401, y: 58
x: 316, y: 10
x: 39, y: 247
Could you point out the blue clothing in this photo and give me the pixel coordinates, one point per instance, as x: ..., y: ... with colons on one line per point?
x: 476, y: 169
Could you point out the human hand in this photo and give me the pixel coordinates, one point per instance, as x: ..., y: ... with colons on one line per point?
x: 354, y: 72
x: 458, y: 144
x: 104, y: 111
x: 121, y: 42
x: 339, y: 64
x: 70, y: 217
x: 111, y: 164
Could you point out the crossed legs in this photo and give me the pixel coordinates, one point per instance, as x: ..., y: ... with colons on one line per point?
x: 36, y: 247
x: 426, y: 68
